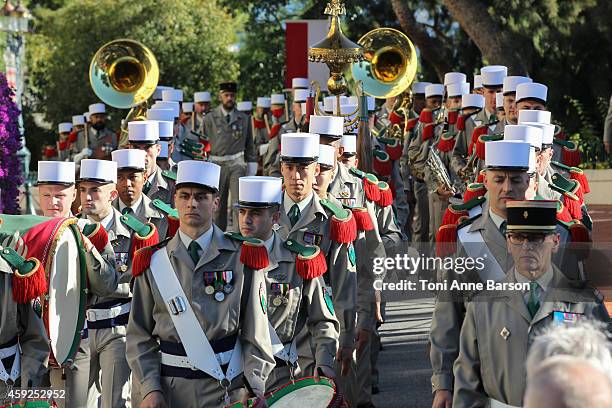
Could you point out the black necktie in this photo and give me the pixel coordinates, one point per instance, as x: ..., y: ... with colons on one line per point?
x: 503, y: 227
x: 227, y: 118
x: 127, y: 210
x: 193, y: 249
x: 294, y: 214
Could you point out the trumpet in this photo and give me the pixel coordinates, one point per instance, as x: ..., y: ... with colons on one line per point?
x: 439, y: 170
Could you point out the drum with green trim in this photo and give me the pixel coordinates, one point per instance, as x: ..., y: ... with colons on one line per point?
x: 58, y: 244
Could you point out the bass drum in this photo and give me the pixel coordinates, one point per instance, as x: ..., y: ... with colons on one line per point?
x: 58, y: 244
x: 304, y: 393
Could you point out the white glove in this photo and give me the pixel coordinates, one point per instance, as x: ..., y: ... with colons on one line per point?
x: 251, y: 169
x: 263, y: 149
x: 85, y: 153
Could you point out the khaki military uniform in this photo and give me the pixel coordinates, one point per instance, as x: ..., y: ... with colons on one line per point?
x: 161, y: 187
x: 313, y: 227
x: 241, y: 314
x: 22, y: 329
x: 97, y: 139
x: 418, y: 151
x: 304, y: 305
x: 184, y: 133
x: 496, y: 336
x: 231, y: 148
x: 107, y: 319
x: 449, y: 313
x: 348, y: 190
x: 146, y: 212
x: 102, y: 280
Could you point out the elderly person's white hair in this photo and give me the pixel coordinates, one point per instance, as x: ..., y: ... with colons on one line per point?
x: 564, y: 381
x: 586, y: 339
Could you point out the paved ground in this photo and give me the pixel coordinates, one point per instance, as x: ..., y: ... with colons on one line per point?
x: 404, y: 361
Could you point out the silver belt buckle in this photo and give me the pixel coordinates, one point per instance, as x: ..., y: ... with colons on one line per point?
x: 177, y: 305
x: 91, y: 315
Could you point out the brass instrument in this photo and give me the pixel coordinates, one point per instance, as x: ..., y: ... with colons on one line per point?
x: 439, y: 170
x: 390, y: 63
x: 467, y: 173
x: 124, y: 74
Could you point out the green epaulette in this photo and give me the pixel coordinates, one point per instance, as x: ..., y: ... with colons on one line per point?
x: 380, y: 154
x: 135, y: 225
x: 305, y: 250
x: 470, y: 204
x: 569, y: 169
x: 564, y: 185
x: 165, y: 208
x: 16, y: 261
x: 449, y: 134
x: 89, y: 228
x: 565, y: 143
x: 169, y: 174
x: 356, y: 172
x: 236, y: 236
x: 387, y: 141
x: 339, y: 212
x: 493, y: 137
x: 468, y: 221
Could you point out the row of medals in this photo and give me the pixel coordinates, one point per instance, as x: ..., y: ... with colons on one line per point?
x: 219, y: 284
x: 280, y: 292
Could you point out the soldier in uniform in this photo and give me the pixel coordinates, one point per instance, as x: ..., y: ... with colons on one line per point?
x: 56, y: 189
x: 307, y: 219
x: 144, y: 135
x: 509, y: 101
x: 101, y: 139
x: 261, y: 121
x: 198, y: 331
x: 506, y: 179
x: 500, y: 325
x: 24, y: 345
x: 231, y: 142
x: 108, y: 315
x: 131, y: 199
x: 201, y: 107
x: 63, y: 131
x: 499, y: 110
x: 478, y: 84
x: 293, y: 302
x: 471, y: 105
x: 165, y: 121
x: 417, y: 155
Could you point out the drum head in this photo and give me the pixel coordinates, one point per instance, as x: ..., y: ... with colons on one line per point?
x: 65, y: 309
x: 304, y: 393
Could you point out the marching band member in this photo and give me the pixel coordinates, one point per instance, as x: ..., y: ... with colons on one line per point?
x: 198, y: 330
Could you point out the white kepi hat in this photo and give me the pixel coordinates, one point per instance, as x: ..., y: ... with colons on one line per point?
x: 64, y: 127
x: 173, y: 95
x: 300, y: 83
x: 157, y: 94
x: 198, y: 172
x: 165, y: 122
x: 173, y: 106
x: 419, y: 87
x: 457, y: 89
x: 523, y: 133
x: 78, y: 120
x: 332, y: 126
x: 477, y: 81
x: 98, y: 171
x: 163, y: 153
x: 259, y: 191
x: 264, y: 102
x: 548, y: 131
x: 531, y: 90
x: 203, y: 96
x: 143, y: 132
x: 300, y: 147
x: 277, y: 99
x: 454, y: 77
x: 536, y: 116
x: 434, y: 90
x: 507, y: 155
x: 499, y: 100
x: 56, y: 172
x: 511, y: 82
x: 187, y: 107
x: 472, y: 101
x: 97, y: 108
x: 130, y: 159
x: 493, y: 75
x: 300, y: 95
x: 244, y: 106
x: 349, y: 143
x: 326, y: 156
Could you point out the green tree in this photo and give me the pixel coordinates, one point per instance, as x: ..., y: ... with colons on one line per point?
x: 192, y: 41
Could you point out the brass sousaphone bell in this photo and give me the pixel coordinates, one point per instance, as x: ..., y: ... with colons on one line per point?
x: 123, y: 73
x: 390, y: 63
